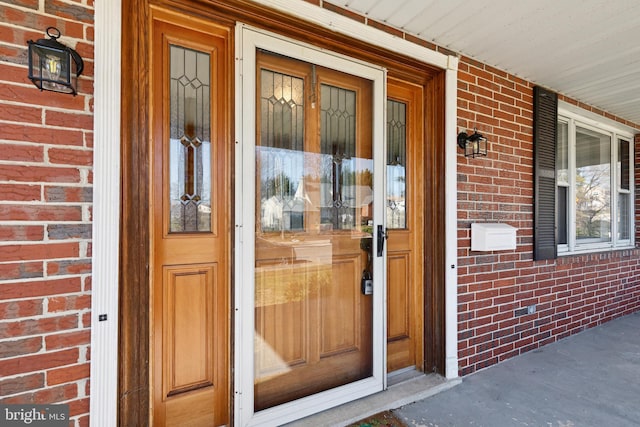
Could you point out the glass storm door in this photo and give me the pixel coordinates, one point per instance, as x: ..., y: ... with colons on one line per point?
x: 315, y: 256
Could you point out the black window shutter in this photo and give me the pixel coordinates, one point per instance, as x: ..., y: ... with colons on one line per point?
x: 545, y: 124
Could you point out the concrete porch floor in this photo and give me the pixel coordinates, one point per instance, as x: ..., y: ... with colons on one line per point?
x: 407, y: 388
x: 590, y: 379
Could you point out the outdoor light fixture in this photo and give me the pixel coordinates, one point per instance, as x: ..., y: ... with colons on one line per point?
x: 474, y: 145
x: 54, y: 66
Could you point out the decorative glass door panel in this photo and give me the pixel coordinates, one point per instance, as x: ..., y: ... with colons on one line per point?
x: 396, y: 164
x: 190, y: 146
x: 313, y: 231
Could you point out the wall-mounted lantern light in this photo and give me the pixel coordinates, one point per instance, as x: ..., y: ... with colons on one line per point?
x: 474, y: 145
x: 54, y: 66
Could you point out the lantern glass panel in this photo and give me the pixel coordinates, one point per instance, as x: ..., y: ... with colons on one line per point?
x: 52, y: 69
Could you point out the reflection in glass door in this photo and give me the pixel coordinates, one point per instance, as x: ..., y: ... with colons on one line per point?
x: 313, y: 230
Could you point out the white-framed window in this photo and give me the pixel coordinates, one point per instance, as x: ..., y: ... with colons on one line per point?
x: 594, y: 185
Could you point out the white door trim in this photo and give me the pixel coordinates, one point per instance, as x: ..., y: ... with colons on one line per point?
x: 106, y: 215
x: 249, y: 40
x: 451, y: 219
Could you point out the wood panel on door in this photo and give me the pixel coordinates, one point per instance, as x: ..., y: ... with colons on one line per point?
x: 189, y: 221
x: 313, y: 324
x: 405, y: 188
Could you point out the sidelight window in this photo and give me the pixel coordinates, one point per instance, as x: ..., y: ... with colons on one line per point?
x: 396, y: 164
x: 190, y: 145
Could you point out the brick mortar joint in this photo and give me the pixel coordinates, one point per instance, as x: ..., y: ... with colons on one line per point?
x: 47, y: 315
x: 82, y: 277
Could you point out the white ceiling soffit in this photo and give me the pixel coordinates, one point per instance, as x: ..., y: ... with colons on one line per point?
x: 588, y: 50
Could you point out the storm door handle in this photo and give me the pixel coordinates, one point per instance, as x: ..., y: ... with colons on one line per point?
x: 382, y: 236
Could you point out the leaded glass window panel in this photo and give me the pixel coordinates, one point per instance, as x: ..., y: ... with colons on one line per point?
x: 396, y: 164
x: 338, y: 144
x: 280, y: 154
x: 190, y: 141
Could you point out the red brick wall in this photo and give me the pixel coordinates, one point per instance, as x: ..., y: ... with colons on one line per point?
x: 495, y: 288
x: 45, y: 214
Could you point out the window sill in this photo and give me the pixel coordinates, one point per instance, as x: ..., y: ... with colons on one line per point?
x: 601, y: 249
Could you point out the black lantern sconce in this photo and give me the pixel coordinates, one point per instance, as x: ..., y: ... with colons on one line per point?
x: 54, y: 66
x: 474, y: 145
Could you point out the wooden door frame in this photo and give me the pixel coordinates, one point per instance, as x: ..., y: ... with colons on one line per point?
x: 133, y: 340
x: 134, y: 296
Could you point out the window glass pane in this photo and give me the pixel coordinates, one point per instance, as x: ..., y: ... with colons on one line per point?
x: 189, y: 145
x: 563, y: 218
x: 562, y: 178
x: 562, y: 153
x: 623, y: 216
x: 279, y: 155
x: 338, y: 141
x: 623, y: 164
x: 396, y: 164
x: 593, y: 186
x: 624, y: 208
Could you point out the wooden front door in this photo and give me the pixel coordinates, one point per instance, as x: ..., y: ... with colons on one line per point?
x: 190, y: 216
x: 313, y: 229
x: 405, y: 225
